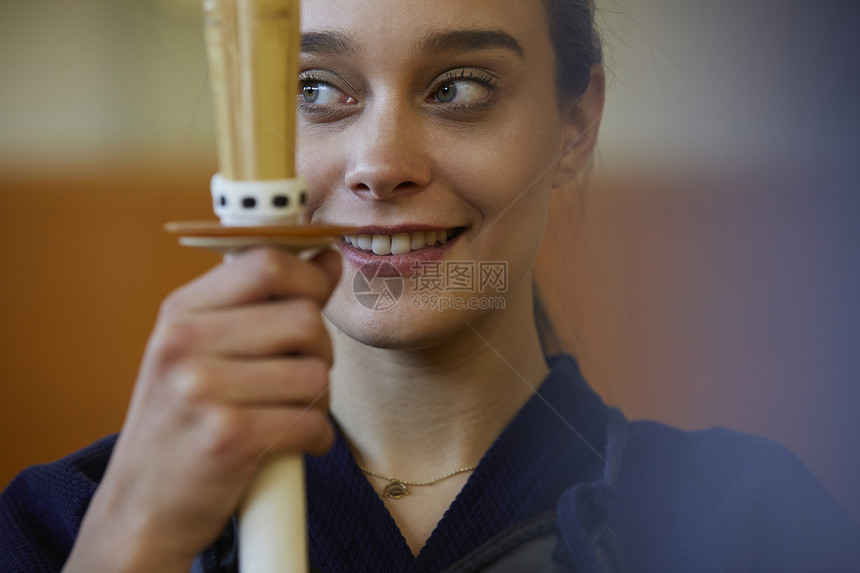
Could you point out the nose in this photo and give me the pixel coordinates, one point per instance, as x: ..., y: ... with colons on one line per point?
x: 389, y: 156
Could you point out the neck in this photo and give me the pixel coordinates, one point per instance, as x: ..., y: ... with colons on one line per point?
x: 416, y: 414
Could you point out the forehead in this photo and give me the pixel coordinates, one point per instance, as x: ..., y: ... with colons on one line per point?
x: 403, y: 26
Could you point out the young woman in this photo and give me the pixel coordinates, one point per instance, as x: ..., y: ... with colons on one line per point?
x: 440, y: 435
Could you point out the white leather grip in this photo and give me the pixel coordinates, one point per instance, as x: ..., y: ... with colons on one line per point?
x: 256, y: 203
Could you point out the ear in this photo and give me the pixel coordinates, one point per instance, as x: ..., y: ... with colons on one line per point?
x: 581, y: 123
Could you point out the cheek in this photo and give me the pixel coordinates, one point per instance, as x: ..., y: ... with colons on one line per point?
x: 506, y: 172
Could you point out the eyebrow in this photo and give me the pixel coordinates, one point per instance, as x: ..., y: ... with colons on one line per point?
x: 328, y: 44
x: 331, y: 43
x: 470, y: 40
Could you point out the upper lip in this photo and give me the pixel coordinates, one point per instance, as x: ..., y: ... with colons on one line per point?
x: 404, y: 228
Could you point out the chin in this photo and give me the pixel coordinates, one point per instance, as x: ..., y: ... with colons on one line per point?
x: 390, y: 339
x: 401, y: 327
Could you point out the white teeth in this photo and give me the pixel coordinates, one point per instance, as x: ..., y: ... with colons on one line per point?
x: 418, y: 240
x: 399, y: 244
x: 381, y: 245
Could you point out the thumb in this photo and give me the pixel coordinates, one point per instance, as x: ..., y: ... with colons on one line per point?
x: 329, y: 260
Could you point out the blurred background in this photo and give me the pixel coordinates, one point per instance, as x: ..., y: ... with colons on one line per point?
x: 707, y: 272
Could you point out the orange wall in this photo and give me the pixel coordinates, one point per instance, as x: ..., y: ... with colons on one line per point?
x: 84, y: 264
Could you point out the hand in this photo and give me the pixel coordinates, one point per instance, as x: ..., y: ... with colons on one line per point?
x: 235, y: 372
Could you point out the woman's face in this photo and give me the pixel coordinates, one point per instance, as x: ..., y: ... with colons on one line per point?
x: 435, y: 117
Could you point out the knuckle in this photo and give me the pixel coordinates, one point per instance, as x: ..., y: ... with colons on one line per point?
x: 193, y: 383
x: 311, y: 432
x: 173, y: 303
x: 268, y: 264
x: 228, y: 431
x: 175, y: 337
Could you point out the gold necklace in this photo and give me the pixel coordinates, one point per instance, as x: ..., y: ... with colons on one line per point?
x: 397, y: 488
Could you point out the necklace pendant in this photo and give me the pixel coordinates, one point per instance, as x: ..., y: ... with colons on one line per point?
x: 395, y: 490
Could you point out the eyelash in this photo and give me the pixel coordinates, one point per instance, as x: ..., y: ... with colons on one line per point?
x: 468, y: 74
x: 321, y: 111
x: 471, y: 74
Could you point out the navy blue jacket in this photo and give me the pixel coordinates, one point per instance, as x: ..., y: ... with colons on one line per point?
x: 570, y: 485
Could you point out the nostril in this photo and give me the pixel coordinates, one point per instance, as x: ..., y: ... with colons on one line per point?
x: 388, y: 174
x: 383, y: 192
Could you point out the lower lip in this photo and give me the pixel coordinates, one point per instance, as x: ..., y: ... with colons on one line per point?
x: 403, y: 263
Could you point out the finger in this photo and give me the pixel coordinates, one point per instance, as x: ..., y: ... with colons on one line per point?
x: 252, y: 435
x: 301, y: 382
x: 331, y: 262
x: 253, y: 276
x: 294, y: 430
x: 292, y: 327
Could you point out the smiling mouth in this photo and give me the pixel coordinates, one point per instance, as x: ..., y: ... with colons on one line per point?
x: 401, y: 243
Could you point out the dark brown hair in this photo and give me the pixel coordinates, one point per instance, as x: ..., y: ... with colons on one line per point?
x: 576, y: 43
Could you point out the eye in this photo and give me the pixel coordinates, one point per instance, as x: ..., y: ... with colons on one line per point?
x: 323, y: 96
x: 321, y: 93
x: 462, y: 91
x: 464, y: 88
